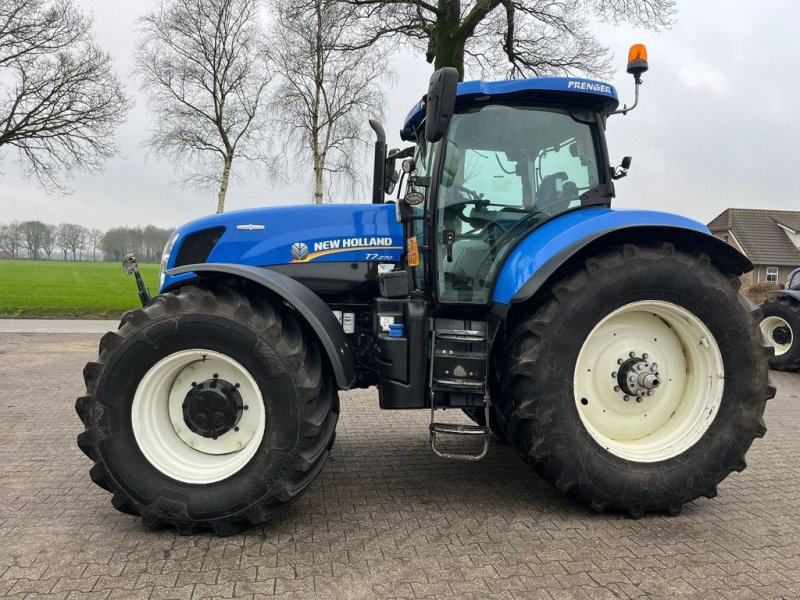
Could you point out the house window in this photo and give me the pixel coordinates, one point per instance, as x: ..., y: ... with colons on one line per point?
x: 772, y: 274
x: 726, y: 238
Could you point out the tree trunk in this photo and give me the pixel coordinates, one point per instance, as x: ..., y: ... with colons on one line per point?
x: 447, y: 44
x: 223, y: 188
x: 450, y: 53
x: 319, y: 168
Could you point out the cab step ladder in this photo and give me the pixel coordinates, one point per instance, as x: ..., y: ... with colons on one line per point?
x: 459, y: 367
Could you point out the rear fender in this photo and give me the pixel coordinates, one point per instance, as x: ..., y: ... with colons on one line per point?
x: 542, y: 252
x: 311, y: 307
x: 794, y: 294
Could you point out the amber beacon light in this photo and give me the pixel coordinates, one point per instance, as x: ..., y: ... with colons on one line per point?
x: 637, y: 60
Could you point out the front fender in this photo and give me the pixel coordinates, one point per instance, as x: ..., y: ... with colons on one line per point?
x: 538, y: 255
x: 311, y: 307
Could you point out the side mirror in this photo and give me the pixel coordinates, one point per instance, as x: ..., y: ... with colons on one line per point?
x: 390, y: 175
x: 622, y: 170
x: 440, y: 102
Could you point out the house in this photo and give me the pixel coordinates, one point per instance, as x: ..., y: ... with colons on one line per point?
x: 769, y: 238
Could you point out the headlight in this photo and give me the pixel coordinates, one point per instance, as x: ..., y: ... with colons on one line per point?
x: 165, y: 257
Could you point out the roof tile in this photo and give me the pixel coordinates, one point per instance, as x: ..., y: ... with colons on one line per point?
x: 759, y: 235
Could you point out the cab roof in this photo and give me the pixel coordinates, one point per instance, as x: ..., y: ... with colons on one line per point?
x: 583, y: 92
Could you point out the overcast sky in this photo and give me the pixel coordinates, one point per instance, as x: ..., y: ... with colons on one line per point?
x: 714, y: 128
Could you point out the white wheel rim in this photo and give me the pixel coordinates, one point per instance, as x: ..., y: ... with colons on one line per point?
x: 769, y: 326
x: 690, y: 373
x: 165, y: 439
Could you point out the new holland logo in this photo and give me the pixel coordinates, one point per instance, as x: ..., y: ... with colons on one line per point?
x: 299, y: 251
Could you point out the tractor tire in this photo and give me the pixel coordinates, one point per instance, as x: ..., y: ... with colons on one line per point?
x: 478, y: 417
x: 633, y: 320
x: 781, y: 326
x: 208, y: 409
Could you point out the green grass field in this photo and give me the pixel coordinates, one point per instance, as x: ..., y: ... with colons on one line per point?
x: 56, y: 289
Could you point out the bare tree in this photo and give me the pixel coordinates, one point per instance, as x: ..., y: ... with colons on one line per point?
x: 33, y: 233
x: 49, y: 240
x: 11, y: 239
x: 146, y: 243
x: 72, y: 238
x: 60, y: 99
x: 95, y: 237
x: 203, y: 66
x: 326, y: 93
x: 529, y: 37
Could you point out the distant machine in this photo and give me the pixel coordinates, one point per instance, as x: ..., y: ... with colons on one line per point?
x: 781, y: 324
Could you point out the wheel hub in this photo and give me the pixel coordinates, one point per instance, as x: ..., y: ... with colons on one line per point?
x: 636, y: 377
x: 213, y: 407
x: 781, y: 335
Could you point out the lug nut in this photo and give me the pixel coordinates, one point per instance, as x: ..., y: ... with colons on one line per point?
x: 620, y: 361
x: 644, y: 356
x: 632, y: 354
x: 614, y: 374
x: 626, y: 398
x: 638, y: 398
x: 617, y: 388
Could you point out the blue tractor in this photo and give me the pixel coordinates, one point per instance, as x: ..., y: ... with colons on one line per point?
x: 781, y: 324
x: 611, y: 348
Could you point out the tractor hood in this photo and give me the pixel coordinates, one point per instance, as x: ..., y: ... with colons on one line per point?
x: 289, y: 235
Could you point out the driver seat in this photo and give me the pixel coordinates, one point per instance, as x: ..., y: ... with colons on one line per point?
x: 549, y: 192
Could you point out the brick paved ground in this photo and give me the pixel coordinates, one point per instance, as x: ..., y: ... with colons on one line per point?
x: 385, y: 519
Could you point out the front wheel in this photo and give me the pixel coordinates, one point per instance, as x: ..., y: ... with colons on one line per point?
x: 207, y: 409
x: 638, y: 382
x: 781, y: 326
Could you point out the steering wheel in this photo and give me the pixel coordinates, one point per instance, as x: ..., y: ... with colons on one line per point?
x: 466, y: 196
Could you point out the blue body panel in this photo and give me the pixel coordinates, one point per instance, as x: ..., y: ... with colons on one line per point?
x: 300, y: 234
x: 793, y: 281
x: 585, y: 90
x: 547, y: 241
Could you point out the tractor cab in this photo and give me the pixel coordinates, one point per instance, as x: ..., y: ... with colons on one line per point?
x: 491, y: 162
x: 515, y: 153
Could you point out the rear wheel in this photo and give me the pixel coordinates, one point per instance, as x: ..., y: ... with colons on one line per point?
x: 781, y: 326
x: 638, y: 380
x: 207, y: 409
x: 478, y: 416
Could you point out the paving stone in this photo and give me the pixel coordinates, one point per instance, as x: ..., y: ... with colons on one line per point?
x: 385, y: 519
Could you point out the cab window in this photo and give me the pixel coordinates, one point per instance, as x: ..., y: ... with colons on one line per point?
x: 505, y: 169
